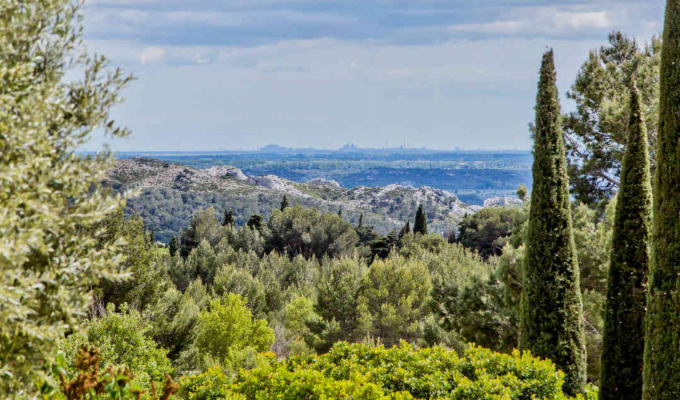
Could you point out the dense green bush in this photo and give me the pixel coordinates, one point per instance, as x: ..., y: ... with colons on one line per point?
x: 355, y: 371
x: 124, y: 340
x: 226, y: 330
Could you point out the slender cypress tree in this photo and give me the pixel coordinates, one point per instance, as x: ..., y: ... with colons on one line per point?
x: 551, y: 321
x: 406, y: 229
x: 661, y: 375
x: 174, y: 246
x: 284, y: 203
x: 420, y: 224
x: 624, y: 328
x: 361, y: 221
x: 340, y: 212
x: 228, y: 218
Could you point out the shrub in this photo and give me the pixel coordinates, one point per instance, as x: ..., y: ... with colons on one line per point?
x: 227, y: 330
x: 123, y: 339
x: 356, y: 371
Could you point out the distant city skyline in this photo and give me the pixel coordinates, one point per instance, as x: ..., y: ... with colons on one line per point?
x: 240, y: 74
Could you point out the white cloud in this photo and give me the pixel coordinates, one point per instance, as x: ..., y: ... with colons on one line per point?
x: 549, y: 21
x: 507, y: 27
x: 151, y: 55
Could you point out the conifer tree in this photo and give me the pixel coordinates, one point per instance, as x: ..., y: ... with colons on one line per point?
x: 284, y: 203
x: 451, y: 239
x: 420, y: 224
x: 229, y: 215
x: 174, y: 246
x: 340, y: 212
x: 551, y: 322
x: 361, y: 221
x: 256, y: 221
x: 661, y: 375
x: 623, y: 340
x: 405, y: 230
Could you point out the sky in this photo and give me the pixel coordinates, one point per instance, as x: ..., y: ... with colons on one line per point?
x: 442, y: 74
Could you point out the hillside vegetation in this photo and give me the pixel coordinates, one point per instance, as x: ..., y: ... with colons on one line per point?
x: 272, y: 289
x: 169, y: 194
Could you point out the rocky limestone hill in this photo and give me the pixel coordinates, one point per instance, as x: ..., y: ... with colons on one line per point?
x: 166, y: 195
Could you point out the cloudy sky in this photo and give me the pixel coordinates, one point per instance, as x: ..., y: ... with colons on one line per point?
x: 241, y: 74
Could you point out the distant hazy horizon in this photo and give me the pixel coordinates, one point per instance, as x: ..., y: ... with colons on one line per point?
x: 322, y: 149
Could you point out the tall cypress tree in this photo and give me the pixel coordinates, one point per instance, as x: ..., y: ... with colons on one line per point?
x: 228, y: 218
x: 406, y: 229
x: 624, y: 329
x: 174, y: 246
x: 420, y: 224
x: 551, y: 321
x: 284, y: 203
x: 662, y: 353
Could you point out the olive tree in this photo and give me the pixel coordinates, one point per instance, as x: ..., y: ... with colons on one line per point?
x: 50, y: 254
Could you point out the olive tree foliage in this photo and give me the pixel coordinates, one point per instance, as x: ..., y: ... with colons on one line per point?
x: 596, y: 132
x: 49, y: 196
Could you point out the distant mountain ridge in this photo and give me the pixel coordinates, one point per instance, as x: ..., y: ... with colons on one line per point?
x: 169, y: 193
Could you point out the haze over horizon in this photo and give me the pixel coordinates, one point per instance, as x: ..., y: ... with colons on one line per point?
x: 242, y: 74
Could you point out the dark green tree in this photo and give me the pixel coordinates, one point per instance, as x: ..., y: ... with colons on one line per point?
x: 383, y: 245
x: 174, y: 246
x: 228, y: 218
x: 486, y: 230
x: 662, y: 354
x: 451, y: 237
x: 551, y: 323
x: 255, y: 222
x: 420, y: 225
x: 596, y: 132
x: 284, y: 203
x: 405, y: 230
x: 361, y: 221
x: 624, y: 341
x: 340, y: 212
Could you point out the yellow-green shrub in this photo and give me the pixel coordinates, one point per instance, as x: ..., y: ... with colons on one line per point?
x: 356, y: 371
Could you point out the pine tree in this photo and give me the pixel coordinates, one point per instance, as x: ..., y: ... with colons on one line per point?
x: 174, y: 246
x: 284, y: 203
x: 623, y: 340
x: 551, y: 322
x: 451, y: 239
x: 420, y: 225
x: 405, y: 230
x: 255, y: 221
x: 662, y: 354
x: 229, y: 217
